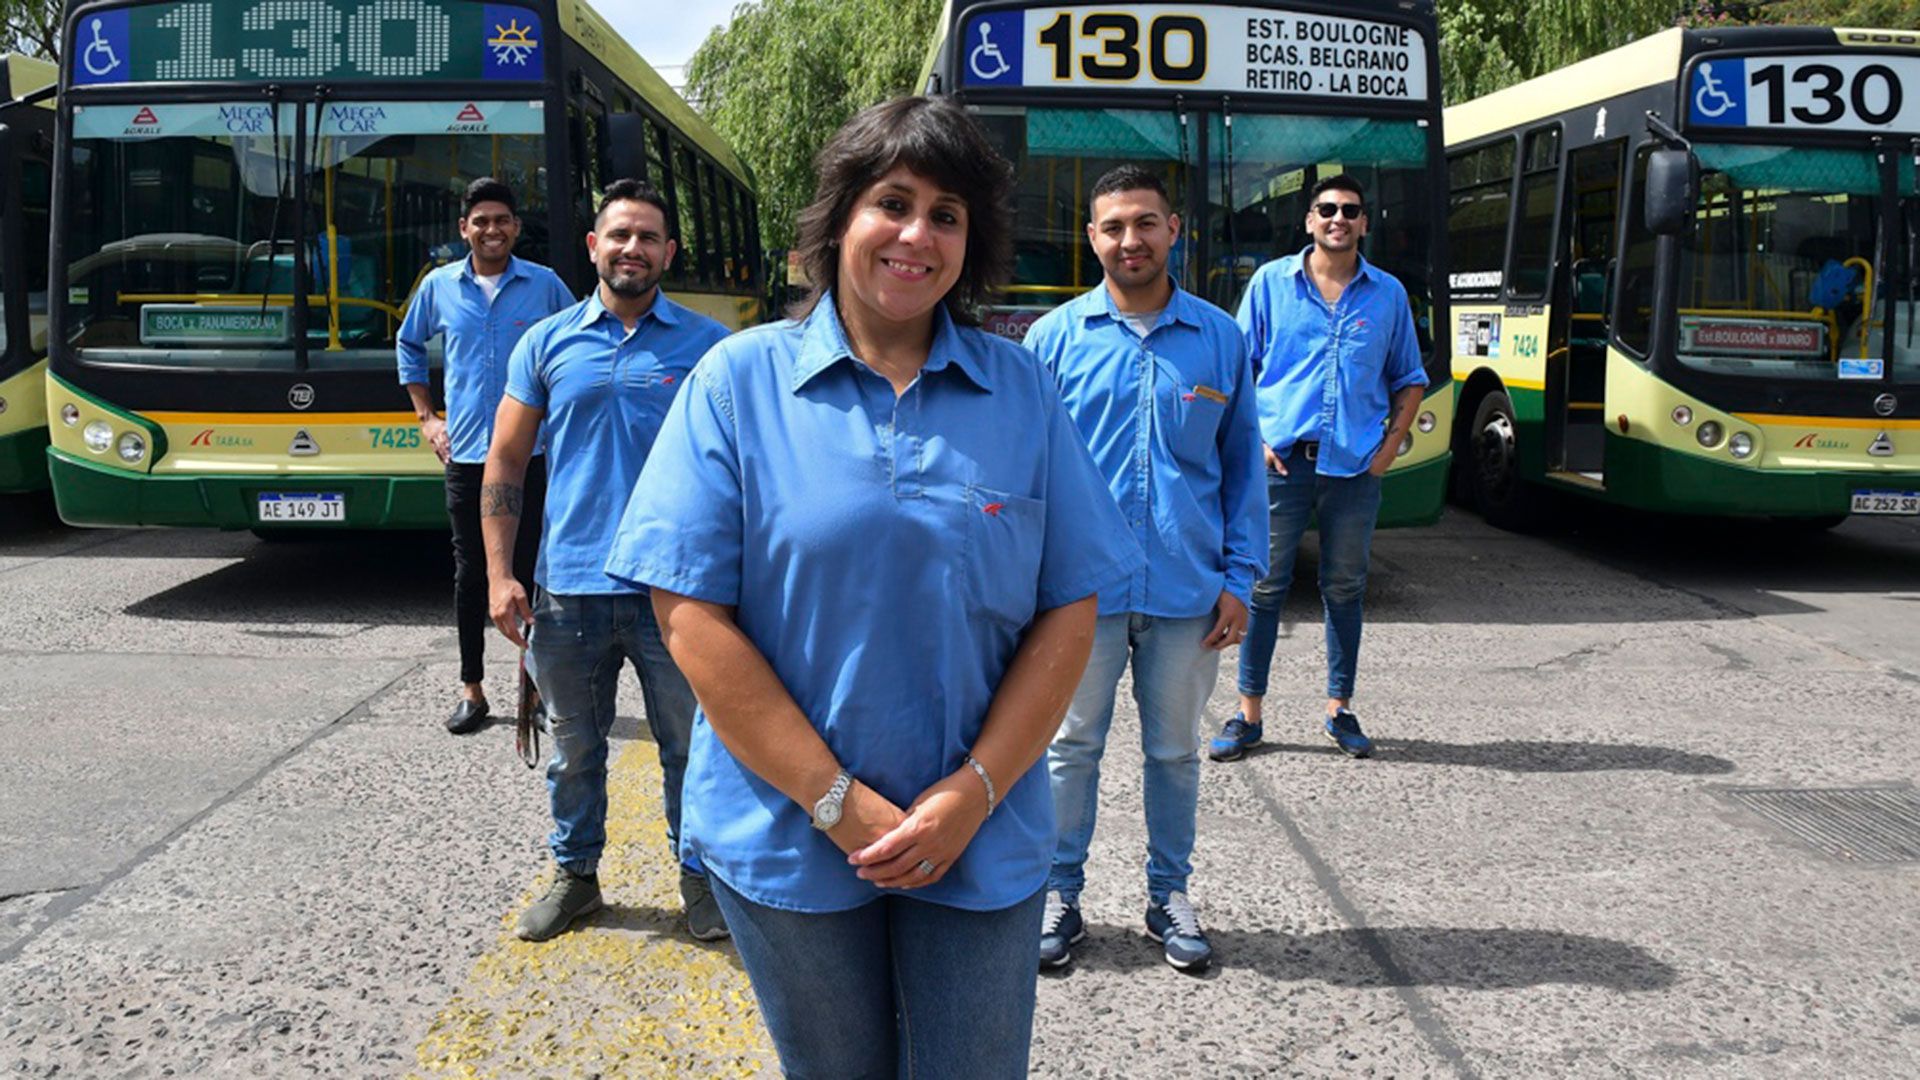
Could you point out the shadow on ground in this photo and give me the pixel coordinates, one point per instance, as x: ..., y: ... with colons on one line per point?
x: 1489, y: 959
x: 371, y: 578
x: 1523, y: 755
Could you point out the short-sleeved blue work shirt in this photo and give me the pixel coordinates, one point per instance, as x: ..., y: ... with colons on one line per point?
x: 885, y: 555
x: 477, y: 338
x: 1328, y: 372
x: 605, y: 391
x: 1171, y: 422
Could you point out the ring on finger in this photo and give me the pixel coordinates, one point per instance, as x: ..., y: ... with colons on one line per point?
x: 927, y: 867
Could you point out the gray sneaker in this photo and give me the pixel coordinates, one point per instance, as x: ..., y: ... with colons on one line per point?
x: 569, y: 898
x: 704, y: 920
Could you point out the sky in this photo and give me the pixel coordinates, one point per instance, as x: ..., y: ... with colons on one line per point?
x: 666, y: 32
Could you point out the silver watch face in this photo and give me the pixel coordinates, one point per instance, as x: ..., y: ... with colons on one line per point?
x: 826, y: 813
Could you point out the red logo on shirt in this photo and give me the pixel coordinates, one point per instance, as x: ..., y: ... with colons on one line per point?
x: 1186, y: 397
x: 668, y: 379
x: 993, y: 508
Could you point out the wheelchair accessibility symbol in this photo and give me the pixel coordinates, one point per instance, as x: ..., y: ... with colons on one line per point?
x: 1712, y: 101
x: 986, y: 60
x: 99, y: 57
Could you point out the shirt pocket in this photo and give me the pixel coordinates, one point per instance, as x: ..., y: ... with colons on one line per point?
x: 1006, y: 535
x: 1192, y: 413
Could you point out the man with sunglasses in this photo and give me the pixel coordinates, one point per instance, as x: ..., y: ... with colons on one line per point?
x: 1339, y: 381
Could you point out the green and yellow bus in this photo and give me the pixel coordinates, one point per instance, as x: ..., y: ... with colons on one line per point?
x: 247, y: 194
x: 1244, y: 107
x: 1685, y: 278
x: 26, y: 190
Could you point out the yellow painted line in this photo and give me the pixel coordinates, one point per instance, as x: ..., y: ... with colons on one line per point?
x: 281, y: 418
x: 1828, y: 421
x: 626, y: 993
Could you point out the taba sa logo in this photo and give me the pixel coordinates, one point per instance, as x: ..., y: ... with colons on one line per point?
x: 301, y: 396
x: 1812, y: 441
x: 212, y: 437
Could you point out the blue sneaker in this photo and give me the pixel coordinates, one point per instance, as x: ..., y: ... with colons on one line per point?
x: 1174, y: 925
x: 1344, y: 729
x: 1234, y: 739
x: 1061, y: 928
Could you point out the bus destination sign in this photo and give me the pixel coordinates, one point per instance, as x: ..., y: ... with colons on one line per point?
x: 1159, y: 47
x: 321, y: 40
x: 1819, y: 92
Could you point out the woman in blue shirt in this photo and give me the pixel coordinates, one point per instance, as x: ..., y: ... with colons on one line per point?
x: 873, y: 539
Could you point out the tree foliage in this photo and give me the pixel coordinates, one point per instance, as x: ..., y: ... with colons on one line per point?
x: 31, y: 26
x: 1489, y: 44
x: 785, y: 74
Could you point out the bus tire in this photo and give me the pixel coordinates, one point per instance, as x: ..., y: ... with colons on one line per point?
x: 1806, y: 526
x: 1504, y: 499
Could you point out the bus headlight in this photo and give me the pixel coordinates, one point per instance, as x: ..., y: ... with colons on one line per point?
x: 98, y: 436
x: 132, y: 447
x: 1425, y: 423
x: 1741, y: 445
x: 69, y: 414
x: 1406, y: 445
x: 1682, y: 415
x: 1709, y: 434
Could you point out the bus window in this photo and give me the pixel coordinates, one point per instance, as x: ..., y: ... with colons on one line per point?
x: 1057, y: 156
x: 1533, y: 240
x: 1480, y: 187
x: 1276, y: 162
x: 1633, y: 288
x: 692, y: 230
x: 1774, y: 272
x: 718, y: 221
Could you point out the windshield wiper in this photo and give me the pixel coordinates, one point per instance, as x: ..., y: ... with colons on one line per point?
x: 279, y: 200
x: 1186, y: 183
x: 1226, y: 201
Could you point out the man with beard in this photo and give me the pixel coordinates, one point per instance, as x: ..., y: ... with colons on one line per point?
x: 479, y: 307
x: 1156, y: 379
x: 601, y: 374
x: 1337, y: 360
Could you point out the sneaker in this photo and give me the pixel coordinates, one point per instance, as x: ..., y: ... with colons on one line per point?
x: 1234, y: 739
x: 704, y: 920
x: 1344, y: 729
x: 1174, y: 925
x: 1060, y: 929
x: 570, y: 897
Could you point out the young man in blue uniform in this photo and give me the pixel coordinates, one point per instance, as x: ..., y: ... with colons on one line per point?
x: 479, y: 307
x: 1157, y: 381
x: 601, y: 375
x: 1333, y: 346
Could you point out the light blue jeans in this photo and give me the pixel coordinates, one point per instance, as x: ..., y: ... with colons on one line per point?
x: 1347, y: 507
x: 1173, y: 673
x: 578, y: 646
x: 895, y: 988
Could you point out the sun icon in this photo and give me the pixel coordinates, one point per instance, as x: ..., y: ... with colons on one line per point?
x: 512, y: 43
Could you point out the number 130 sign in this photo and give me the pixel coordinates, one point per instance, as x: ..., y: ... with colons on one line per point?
x: 1828, y: 92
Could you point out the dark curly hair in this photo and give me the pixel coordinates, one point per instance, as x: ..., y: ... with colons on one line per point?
x: 941, y: 142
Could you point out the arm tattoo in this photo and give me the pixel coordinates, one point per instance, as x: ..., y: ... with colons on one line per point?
x: 501, y: 500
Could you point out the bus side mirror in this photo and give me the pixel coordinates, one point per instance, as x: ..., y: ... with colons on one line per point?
x: 627, y: 147
x: 1673, y: 188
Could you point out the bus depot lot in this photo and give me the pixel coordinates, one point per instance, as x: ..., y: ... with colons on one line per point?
x: 234, y: 840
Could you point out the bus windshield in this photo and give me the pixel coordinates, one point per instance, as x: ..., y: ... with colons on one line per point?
x: 1276, y: 160
x: 184, y: 224
x: 1782, y: 275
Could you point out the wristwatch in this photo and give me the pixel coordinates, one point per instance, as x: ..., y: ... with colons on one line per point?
x: 826, y: 812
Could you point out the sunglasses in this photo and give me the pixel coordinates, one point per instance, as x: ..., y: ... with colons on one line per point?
x: 1346, y: 210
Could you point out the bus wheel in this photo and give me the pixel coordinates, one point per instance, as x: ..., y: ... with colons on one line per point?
x: 1504, y: 499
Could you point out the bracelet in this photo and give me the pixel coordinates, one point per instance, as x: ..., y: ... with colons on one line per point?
x: 992, y: 801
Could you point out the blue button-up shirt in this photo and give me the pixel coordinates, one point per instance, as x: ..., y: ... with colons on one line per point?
x: 1328, y: 373
x: 605, y: 392
x: 885, y: 555
x: 1171, y: 421
x: 477, y: 339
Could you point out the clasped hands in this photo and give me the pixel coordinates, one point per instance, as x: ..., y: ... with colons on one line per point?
x: 888, y: 844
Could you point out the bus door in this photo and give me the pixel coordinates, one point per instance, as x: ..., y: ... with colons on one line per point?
x: 1577, y: 341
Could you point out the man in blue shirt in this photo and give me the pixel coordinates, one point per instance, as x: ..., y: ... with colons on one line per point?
x: 1157, y: 382
x: 478, y: 307
x: 1334, y: 350
x: 601, y: 374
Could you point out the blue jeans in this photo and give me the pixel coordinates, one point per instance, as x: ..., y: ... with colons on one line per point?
x: 1172, y: 676
x: 577, y: 647
x: 1347, y: 507
x: 895, y: 988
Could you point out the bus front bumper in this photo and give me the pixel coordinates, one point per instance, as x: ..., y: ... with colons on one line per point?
x: 23, y: 460
x: 93, y: 495
x: 1414, y: 495
x: 1648, y: 477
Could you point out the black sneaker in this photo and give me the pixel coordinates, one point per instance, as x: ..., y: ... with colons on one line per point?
x: 1061, y: 928
x: 1174, y: 925
x: 468, y: 717
x: 704, y: 920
